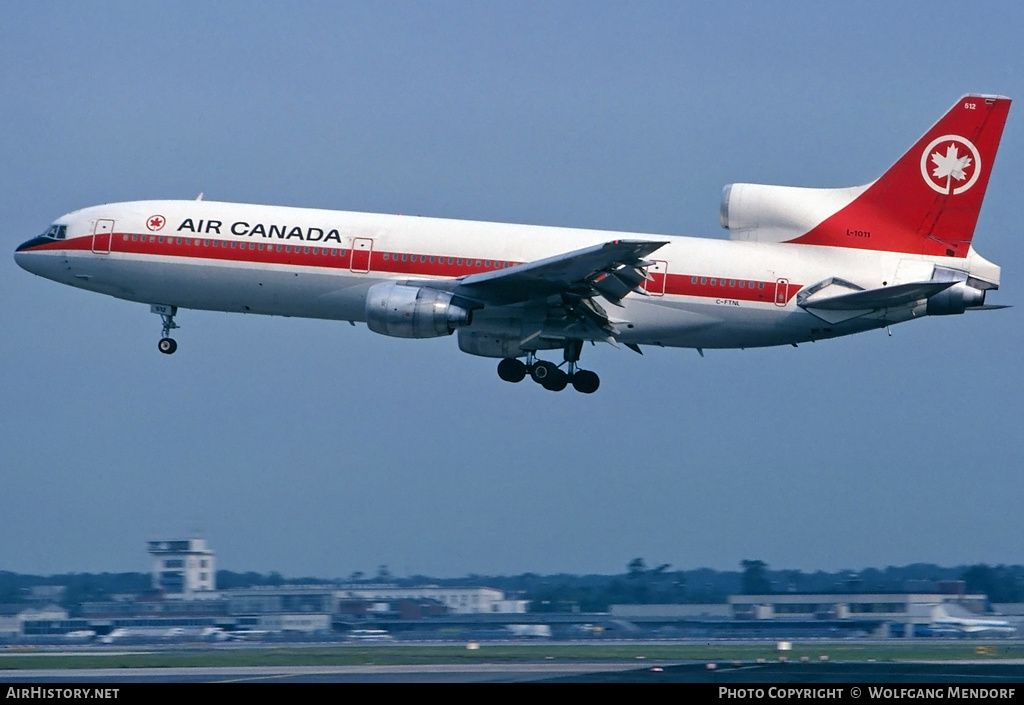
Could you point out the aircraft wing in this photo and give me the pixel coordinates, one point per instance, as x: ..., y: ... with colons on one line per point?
x: 612, y: 270
x: 570, y: 282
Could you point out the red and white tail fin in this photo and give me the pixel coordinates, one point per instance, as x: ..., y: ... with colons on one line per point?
x: 926, y: 203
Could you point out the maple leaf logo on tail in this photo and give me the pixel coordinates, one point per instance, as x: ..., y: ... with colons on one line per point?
x: 951, y: 166
x: 951, y: 172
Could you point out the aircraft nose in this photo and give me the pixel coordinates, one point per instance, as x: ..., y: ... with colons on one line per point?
x: 31, y: 244
x: 24, y: 254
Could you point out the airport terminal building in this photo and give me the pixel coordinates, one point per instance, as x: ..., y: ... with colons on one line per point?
x: 896, y: 613
x: 185, y: 603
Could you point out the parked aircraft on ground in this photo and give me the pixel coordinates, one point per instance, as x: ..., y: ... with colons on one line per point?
x: 965, y: 624
x: 801, y: 264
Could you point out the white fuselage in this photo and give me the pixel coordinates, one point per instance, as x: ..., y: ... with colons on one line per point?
x: 703, y: 293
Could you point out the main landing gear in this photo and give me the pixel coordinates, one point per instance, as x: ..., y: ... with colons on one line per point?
x: 548, y: 374
x: 167, y: 345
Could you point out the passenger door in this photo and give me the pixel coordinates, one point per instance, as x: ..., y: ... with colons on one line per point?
x: 362, y: 250
x: 101, y: 236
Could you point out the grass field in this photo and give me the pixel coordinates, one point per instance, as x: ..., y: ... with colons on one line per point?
x: 392, y: 654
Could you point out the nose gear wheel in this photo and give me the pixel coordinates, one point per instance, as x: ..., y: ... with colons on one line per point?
x: 167, y: 344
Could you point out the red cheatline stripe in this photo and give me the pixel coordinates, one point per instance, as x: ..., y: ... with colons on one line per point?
x: 734, y: 289
x: 306, y: 255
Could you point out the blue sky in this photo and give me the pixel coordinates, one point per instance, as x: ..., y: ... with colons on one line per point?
x: 315, y: 448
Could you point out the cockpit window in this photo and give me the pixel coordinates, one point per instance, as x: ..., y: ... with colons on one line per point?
x: 57, y: 232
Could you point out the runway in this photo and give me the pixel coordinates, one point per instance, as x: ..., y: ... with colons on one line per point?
x: 993, y: 674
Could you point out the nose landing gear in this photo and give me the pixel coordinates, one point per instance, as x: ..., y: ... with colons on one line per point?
x: 167, y: 345
x: 548, y: 374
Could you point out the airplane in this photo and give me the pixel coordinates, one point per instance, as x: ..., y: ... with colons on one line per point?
x: 943, y: 623
x: 369, y: 635
x: 150, y: 634
x: 800, y: 264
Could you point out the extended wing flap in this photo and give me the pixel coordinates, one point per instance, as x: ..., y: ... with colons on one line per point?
x: 611, y: 269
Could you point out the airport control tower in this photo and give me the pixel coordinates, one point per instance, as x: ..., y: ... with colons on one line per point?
x: 184, y: 567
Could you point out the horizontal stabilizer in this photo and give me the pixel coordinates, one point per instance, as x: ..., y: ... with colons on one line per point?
x: 872, y: 299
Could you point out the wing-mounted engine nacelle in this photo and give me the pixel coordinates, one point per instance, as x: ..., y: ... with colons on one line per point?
x: 956, y: 299
x: 403, y: 311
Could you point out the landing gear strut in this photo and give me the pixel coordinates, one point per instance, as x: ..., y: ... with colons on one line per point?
x: 548, y: 374
x: 167, y: 345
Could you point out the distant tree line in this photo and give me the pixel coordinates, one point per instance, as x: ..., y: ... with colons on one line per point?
x: 584, y: 593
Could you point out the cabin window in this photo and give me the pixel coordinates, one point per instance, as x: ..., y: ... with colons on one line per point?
x: 135, y: 237
x: 713, y: 282
x: 451, y: 260
x: 743, y: 284
x: 703, y: 280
